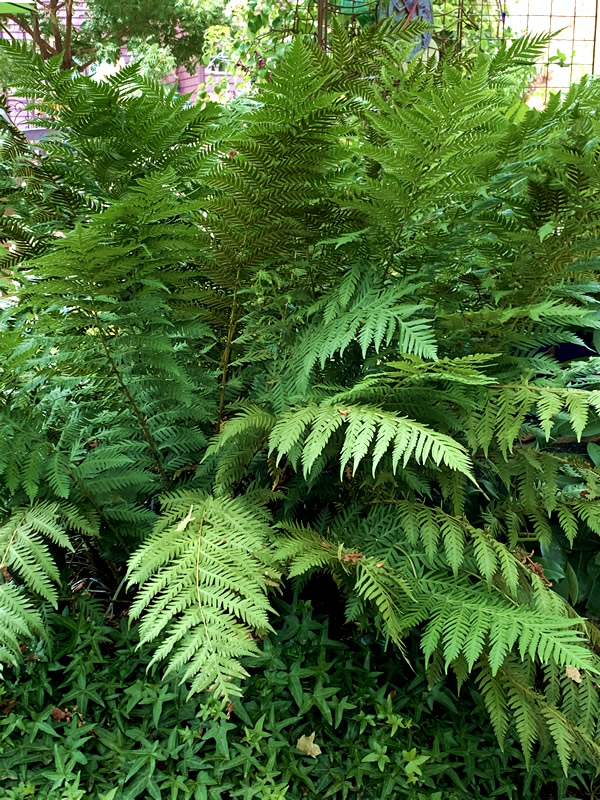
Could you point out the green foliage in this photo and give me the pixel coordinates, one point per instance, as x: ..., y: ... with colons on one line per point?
x: 86, y: 719
x: 210, y: 613
x: 318, y: 332
x: 157, y: 33
x: 19, y: 622
x: 258, y: 32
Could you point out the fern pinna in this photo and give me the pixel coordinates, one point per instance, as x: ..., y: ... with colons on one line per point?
x: 319, y: 330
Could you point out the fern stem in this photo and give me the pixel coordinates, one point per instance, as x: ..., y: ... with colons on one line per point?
x: 197, y: 575
x: 231, y: 329
x: 134, y: 406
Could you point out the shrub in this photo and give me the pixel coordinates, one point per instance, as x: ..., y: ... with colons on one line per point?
x: 315, y: 332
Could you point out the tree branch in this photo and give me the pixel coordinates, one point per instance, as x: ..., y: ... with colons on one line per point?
x: 20, y: 24
x: 46, y: 50
x: 6, y: 30
x: 58, y: 44
x: 67, y: 62
x: 82, y: 67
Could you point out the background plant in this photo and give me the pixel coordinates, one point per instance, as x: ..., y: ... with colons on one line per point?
x: 175, y: 27
x: 257, y: 32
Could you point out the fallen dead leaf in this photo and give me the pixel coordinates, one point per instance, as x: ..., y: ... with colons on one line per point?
x: 306, y: 745
x: 59, y: 715
x: 573, y: 673
x: 7, y: 706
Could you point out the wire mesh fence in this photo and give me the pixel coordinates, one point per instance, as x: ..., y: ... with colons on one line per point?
x: 572, y: 53
x: 459, y: 24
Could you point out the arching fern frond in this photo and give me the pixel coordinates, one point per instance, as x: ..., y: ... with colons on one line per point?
x: 304, y: 434
x: 203, y: 575
x: 19, y: 622
x: 24, y: 548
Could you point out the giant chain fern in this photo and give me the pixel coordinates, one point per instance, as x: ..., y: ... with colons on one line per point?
x: 320, y: 330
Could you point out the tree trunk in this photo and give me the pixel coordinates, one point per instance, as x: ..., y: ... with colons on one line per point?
x: 67, y: 62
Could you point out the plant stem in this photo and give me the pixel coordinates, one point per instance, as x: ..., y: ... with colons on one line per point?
x: 231, y: 330
x: 134, y: 406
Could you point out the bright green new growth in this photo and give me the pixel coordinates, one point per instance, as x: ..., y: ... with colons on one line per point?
x: 315, y: 332
x: 203, y: 579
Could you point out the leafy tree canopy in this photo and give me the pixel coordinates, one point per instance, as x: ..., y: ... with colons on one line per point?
x: 175, y: 27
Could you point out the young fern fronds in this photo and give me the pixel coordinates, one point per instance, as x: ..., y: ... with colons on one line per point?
x: 304, y: 434
x: 202, y: 577
x: 541, y: 713
x: 426, y: 525
x: 388, y: 591
x: 19, y: 622
x: 24, y: 547
x: 505, y: 409
x: 468, y: 370
x: 358, y: 312
x: 302, y: 550
x: 525, y: 50
x: 26, y: 557
x: 237, y: 443
x: 534, y: 633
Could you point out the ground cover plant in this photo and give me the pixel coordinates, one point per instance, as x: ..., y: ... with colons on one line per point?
x: 85, y: 719
x: 318, y: 331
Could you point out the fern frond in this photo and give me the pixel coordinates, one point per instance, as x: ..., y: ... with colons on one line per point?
x: 203, y: 575
x: 19, y: 621
x: 367, y: 429
x: 24, y: 548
